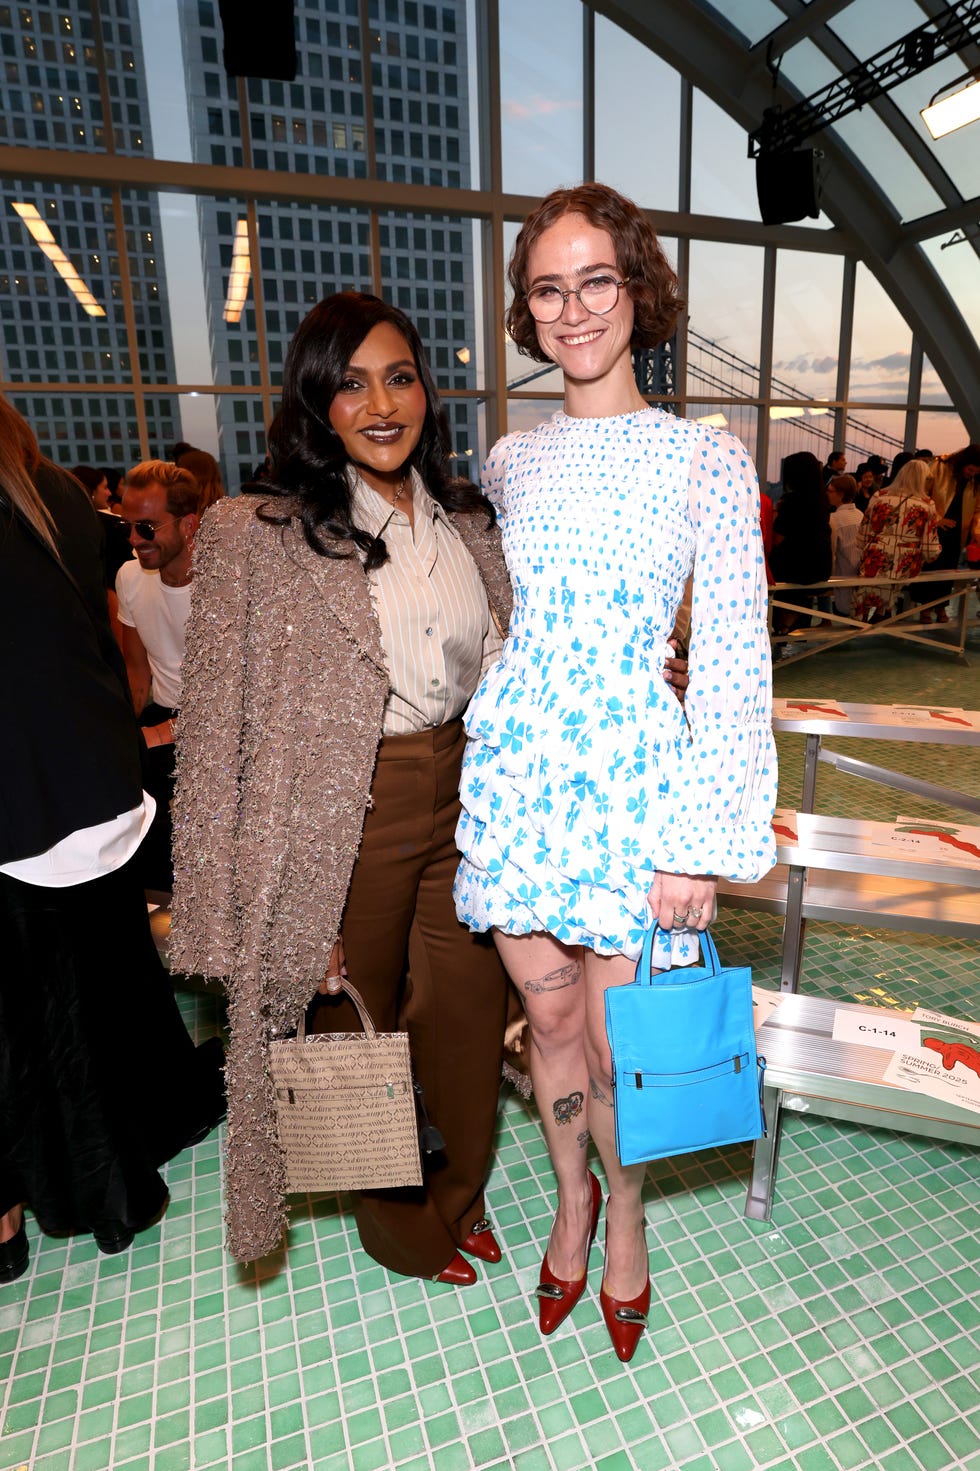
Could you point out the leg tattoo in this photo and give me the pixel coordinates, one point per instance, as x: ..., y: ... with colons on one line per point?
x: 598, y: 1094
x: 555, y: 980
x: 566, y: 1109
x: 583, y: 1139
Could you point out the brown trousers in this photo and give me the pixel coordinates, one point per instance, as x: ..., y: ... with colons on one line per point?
x: 453, y: 1005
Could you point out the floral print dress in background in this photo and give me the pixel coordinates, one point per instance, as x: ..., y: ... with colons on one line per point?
x: 583, y: 774
x: 898, y: 534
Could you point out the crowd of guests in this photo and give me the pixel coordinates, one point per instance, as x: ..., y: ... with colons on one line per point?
x: 922, y: 514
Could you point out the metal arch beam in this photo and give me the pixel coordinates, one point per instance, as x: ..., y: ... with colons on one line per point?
x: 965, y: 216
x: 796, y: 27
x: 712, y: 57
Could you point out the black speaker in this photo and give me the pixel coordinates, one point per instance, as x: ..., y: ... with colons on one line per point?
x: 260, y: 39
x: 788, y: 185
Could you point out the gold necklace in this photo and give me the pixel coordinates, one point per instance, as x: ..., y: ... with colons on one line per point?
x: 400, y: 491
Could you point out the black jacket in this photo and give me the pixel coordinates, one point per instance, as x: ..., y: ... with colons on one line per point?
x: 70, y: 749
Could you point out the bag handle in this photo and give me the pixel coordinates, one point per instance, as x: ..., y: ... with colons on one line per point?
x: 709, y: 955
x: 370, y: 1031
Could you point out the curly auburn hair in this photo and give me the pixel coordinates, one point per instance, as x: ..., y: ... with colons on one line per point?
x: 653, y: 285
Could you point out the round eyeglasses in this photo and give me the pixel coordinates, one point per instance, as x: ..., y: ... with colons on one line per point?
x: 597, y: 294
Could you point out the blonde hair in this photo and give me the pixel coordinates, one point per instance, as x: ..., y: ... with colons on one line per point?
x: 182, y: 490
x: 19, y: 458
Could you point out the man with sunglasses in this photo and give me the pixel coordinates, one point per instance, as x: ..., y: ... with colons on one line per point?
x: 160, y: 509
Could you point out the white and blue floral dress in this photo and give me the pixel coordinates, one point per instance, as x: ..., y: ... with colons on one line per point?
x: 583, y: 774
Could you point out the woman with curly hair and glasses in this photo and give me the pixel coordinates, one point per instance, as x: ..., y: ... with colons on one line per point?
x: 594, y: 804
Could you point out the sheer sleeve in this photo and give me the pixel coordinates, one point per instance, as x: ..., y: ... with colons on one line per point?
x: 723, y: 801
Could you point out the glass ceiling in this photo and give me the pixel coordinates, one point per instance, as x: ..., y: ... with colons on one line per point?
x: 916, y: 175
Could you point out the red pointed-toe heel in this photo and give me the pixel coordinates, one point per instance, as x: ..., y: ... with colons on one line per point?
x: 481, y: 1242
x: 625, y: 1320
x: 556, y: 1297
x: 458, y: 1273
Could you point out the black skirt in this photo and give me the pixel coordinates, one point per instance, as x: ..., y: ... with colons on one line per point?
x: 100, y: 1082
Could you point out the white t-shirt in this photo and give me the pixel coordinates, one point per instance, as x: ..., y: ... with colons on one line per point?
x: 159, y: 615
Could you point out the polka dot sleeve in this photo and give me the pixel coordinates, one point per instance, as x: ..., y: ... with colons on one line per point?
x: 725, y: 790
x: 493, y: 478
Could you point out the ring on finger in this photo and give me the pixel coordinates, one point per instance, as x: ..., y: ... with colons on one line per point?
x: 680, y: 920
x: 696, y: 911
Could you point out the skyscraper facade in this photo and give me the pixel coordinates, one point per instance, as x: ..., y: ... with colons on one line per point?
x: 61, y: 273
x: 418, y: 117
x: 402, y: 100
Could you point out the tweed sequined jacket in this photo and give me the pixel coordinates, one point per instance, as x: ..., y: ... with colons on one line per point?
x: 284, y: 688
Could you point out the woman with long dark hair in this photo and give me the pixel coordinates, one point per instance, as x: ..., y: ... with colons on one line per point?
x: 593, y: 805
x: 339, y: 626
x: 801, y: 535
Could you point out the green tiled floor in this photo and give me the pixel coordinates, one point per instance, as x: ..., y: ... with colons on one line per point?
x: 842, y: 1335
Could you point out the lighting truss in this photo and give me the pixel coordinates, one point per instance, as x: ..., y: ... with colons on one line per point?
x: 945, y: 35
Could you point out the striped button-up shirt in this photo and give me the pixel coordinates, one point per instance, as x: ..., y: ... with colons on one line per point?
x: 436, y: 630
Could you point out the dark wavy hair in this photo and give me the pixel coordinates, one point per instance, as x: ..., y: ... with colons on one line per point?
x: 308, y: 459
x: 90, y: 477
x: 970, y: 455
x: 653, y: 285
x: 802, y: 477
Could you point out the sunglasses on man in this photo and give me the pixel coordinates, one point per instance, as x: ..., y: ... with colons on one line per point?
x: 147, y: 530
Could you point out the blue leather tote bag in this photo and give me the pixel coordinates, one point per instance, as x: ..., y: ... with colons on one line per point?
x: 686, y: 1075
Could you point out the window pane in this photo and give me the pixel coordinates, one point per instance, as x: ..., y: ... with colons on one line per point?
x: 624, y: 71
x: 866, y: 27
x: 794, y: 428
x: 933, y: 392
x: 725, y: 319
x: 523, y: 371
x: 468, y: 428
x: 944, y: 434
x: 754, y: 19
x: 525, y: 413
x: 49, y: 84
x: 722, y: 174
x: 312, y: 125
x: 169, y: 301
x: 806, y: 335
x: 60, y: 293
x: 874, y: 432
x: 807, y: 67
x: 428, y: 267
x: 420, y: 84
x: 230, y: 427
x: 881, y: 344
x: 885, y: 158
x: 306, y: 252
x: 958, y: 267
x: 540, y: 94
x: 91, y: 428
